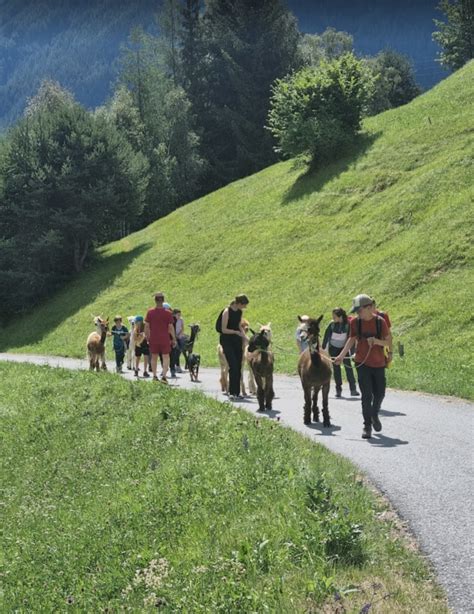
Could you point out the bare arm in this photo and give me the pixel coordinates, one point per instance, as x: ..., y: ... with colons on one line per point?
x: 349, y: 344
x: 147, y: 331
x: 172, y: 333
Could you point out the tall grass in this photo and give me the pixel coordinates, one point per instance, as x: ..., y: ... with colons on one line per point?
x: 392, y: 218
x: 118, y: 496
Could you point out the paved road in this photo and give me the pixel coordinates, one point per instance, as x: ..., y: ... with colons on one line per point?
x: 422, y: 461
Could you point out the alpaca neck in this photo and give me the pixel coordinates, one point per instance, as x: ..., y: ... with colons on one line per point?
x: 103, y: 336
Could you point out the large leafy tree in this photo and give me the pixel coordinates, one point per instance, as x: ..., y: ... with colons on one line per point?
x: 318, y: 111
x: 69, y: 179
x: 456, y: 34
x: 394, y: 81
x: 329, y: 45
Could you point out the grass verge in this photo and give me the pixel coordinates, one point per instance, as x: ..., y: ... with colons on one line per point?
x: 119, y: 496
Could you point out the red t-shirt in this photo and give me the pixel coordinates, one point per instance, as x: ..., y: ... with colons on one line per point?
x: 376, y: 356
x: 159, y: 320
x: 384, y: 315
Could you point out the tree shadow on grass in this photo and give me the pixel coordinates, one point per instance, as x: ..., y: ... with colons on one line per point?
x: 30, y: 328
x: 316, y: 176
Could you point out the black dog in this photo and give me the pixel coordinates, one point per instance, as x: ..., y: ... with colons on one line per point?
x: 194, y: 360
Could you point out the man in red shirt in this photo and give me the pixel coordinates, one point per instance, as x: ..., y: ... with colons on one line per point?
x: 160, y: 334
x: 372, y: 335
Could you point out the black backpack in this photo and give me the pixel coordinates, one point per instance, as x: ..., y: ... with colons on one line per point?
x: 219, y: 322
x: 378, y: 327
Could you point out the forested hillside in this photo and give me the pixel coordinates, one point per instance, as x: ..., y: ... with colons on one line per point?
x: 78, y: 43
x: 392, y: 217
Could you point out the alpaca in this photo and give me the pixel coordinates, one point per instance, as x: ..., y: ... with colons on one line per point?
x: 315, y: 370
x: 96, y: 344
x: 260, y: 358
x: 224, y: 377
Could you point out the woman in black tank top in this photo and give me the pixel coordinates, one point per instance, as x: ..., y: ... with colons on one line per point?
x: 231, y: 339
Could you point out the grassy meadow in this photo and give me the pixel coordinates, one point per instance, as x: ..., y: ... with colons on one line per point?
x: 122, y: 496
x: 393, y: 218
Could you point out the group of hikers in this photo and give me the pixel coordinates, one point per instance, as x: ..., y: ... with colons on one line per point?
x: 158, y: 335
x: 364, y: 336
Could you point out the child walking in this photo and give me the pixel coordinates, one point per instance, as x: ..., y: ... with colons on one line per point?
x: 120, y: 335
x: 141, y: 346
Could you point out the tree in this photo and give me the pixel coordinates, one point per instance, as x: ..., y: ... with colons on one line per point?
x: 329, y: 45
x: 69, y: 176
x: 317, y: 111
x: 162, y: 116
x: 246, y: 46
x: 456, y: 35
x: 394, y: 81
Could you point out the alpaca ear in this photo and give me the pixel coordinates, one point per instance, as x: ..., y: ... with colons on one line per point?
x: 252, y: 331
x: 299, y: 318
x: 319, y: 319
x: 269, y: 325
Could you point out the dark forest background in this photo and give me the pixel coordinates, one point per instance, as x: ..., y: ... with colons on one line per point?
x: 78, y: 43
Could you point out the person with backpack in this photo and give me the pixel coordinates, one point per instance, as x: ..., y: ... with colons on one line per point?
x: 229, y: 325
x: 121, y: 337
x: 334, y: 339
x: 372, y: 335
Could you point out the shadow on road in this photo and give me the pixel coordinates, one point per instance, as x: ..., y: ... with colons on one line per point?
x: 385, y: 412
x: 327, y: 431
x: 382, y: 441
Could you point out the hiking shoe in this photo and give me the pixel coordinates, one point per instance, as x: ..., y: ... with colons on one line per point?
x: 163, y: 380
x: 155, y: 379
x: 355, y: 393
x: 338, y: 394
x: 376, y: 424
x: 146, y: 374
x: 173, y: 374
x: 179, y: 370
x: 135, y: 372
x: 366, y: 433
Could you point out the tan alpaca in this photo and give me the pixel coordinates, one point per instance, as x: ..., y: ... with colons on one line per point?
x: 96, y: 344
x: 224, y: 377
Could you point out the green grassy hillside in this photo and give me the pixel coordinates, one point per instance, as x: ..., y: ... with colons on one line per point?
x: 393, y: 218
x: 122, y: 497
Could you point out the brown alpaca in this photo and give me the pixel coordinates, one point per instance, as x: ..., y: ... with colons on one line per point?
x: 315, y: 370
x: 224, y: 377
x: 260, y: 358
x: 96, y: 344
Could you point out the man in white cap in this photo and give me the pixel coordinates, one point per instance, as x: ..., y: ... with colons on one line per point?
x: 372, y: 335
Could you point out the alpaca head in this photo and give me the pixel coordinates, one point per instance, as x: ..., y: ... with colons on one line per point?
x: 311, y: 331
x: 260, y: 340
x: 101, y: 324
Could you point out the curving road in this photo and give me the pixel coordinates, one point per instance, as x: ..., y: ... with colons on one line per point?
x: 422, y: 461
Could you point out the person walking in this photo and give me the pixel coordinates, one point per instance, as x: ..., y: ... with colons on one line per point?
x: 334, y: 340
x: 159, y: 332
x: 229, y: 324
x: 141, y: 347
x: 120, y: 336
x: 180, y: 337
x: 371, y: 334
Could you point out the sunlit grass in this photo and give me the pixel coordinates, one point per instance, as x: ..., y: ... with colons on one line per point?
x: 121, y: 496
x: 392, y: 218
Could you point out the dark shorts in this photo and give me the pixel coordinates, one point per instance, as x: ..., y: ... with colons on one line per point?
x: 142, y: 350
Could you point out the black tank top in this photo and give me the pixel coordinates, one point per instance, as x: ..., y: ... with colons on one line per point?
x: 234, y: 319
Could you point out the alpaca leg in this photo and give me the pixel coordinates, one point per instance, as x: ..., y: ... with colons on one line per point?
x: 91, y: 362
x: 315, y: 407
x: 269, y: 394
x: 242, y: 382
x: 260, y: 393
x: 96, y: 362
x: 326, y: 417
x: 102, y: 360
x: 252, y: 383
x: 307, y: 404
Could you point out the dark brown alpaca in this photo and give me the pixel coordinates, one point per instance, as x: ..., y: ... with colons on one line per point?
x: 96, y: 345
x: 315, y: 371
x: 260, y: 359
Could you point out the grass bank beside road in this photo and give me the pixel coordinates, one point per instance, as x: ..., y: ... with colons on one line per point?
x: 121, y: 496
x: 394, y: 218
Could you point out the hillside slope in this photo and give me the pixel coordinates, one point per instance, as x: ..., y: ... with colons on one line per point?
x: 394, y: 219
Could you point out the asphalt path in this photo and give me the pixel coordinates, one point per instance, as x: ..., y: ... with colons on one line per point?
x: 422, y: 461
